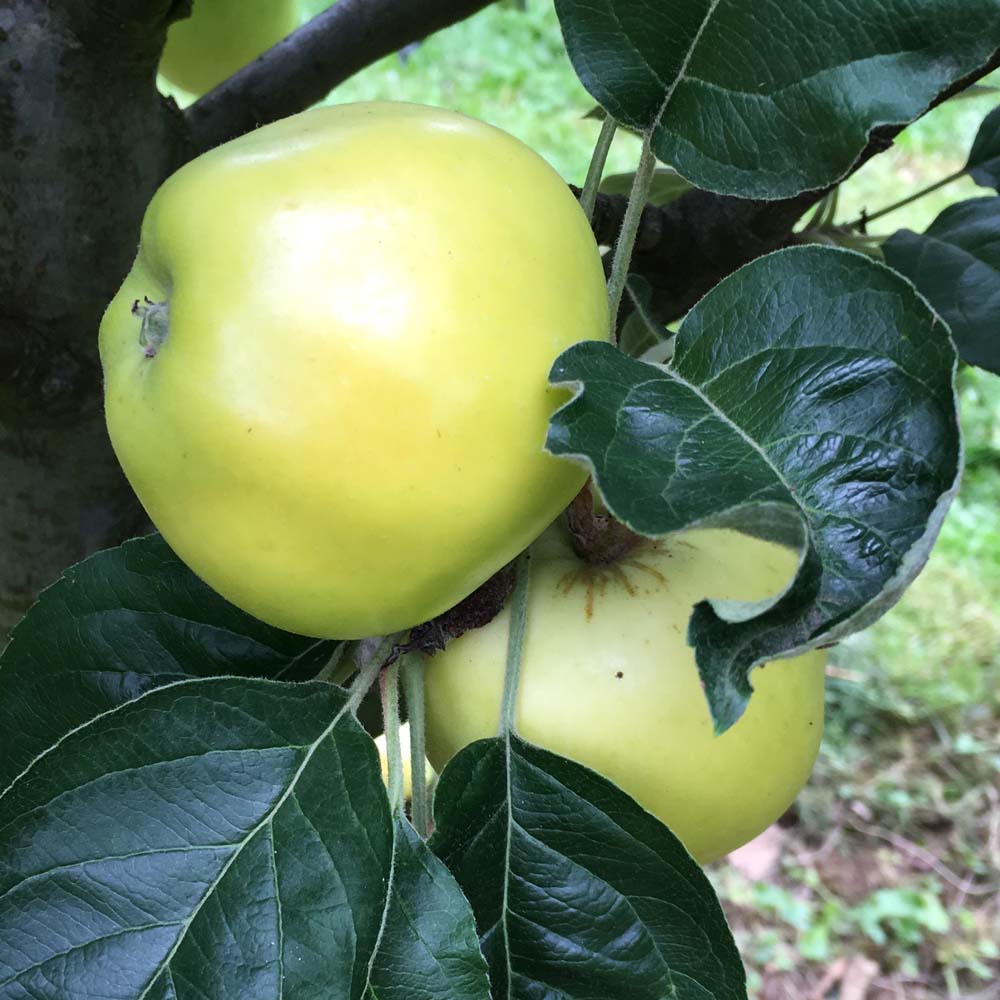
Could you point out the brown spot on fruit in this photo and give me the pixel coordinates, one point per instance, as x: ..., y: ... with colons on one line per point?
x: 595, y: 578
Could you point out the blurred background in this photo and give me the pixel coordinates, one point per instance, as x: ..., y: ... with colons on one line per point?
x: 884, y: 879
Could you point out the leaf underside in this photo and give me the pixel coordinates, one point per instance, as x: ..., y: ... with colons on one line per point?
x: 809, y: 401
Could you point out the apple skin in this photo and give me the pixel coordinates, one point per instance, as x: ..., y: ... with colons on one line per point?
x: 221, y: 37
x: 404, y: 747
x: 340, y: 426
x: 609, y: 680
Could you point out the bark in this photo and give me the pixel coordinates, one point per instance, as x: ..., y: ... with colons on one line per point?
x: 303, y: 68
x: 84, y: 142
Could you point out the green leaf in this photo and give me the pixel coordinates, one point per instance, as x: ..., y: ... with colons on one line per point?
x: 667, y: 185
x: 579, y: 894
x: 810, y: 401
x: 429, y: 949
x: 768, y: 100
x: 119, y: 624
x: 984, y: 157
x: 223, y: 838
x: 956, y: 264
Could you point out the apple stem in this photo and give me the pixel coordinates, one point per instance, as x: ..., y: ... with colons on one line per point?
x: 413, y: 688
x: 599, y: 539
x: 630, y: 227
x: 393, y: 752
x: 515, y: 643
x: 337, y: 668
x: 588, y: 196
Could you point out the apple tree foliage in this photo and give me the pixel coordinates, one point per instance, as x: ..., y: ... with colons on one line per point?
x: 189, y: 807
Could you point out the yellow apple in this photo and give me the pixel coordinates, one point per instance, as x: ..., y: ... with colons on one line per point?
x: 326, y: 376
x: 609, y: 680
x: 404, y: 746
x: 222, y: 36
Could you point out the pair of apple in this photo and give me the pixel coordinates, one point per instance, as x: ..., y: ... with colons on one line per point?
x: 326, y: 378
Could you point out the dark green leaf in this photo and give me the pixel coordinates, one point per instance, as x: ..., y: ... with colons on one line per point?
x: 984, y: 157
x: 956, y: 264
x: 222, y: 839
x: 579, y: 894
x: 119, y: 624
x: 667, y: 185
x: 428, y: 949
x: 810, y: 400
x: 765, y: 100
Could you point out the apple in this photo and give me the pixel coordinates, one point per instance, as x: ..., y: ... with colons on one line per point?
x: 221, y: 37
x: 609, y: 680
x: 326, y: 376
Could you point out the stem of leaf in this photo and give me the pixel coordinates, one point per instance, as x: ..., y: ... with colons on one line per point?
x: 864, y: 219
x: 830, y: 215
x: 515, y: 643
x: 588, y: 197
x: 390, y: 713
x: 818, y: 214
x: 338, y: 668
x: 413, y: 688
x: 369, y: 662
x: 630, y: 227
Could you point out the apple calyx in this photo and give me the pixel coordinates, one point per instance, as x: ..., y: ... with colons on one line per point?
x: 155, y: 317
x: 475, y: 611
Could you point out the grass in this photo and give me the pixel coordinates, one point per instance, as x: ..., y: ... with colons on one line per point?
x: 911, y: 759
x: 507, y: 67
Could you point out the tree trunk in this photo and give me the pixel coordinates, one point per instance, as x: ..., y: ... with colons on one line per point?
x: 85, y: 139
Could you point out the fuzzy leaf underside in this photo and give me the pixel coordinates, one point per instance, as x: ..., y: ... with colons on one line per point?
x: 809, y: 401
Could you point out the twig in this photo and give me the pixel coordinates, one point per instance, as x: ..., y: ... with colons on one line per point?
x: 940, y: 869
x: 864, y: 218
x: 413, y: 686
x: 515, y: 644
x: 625, y: 242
